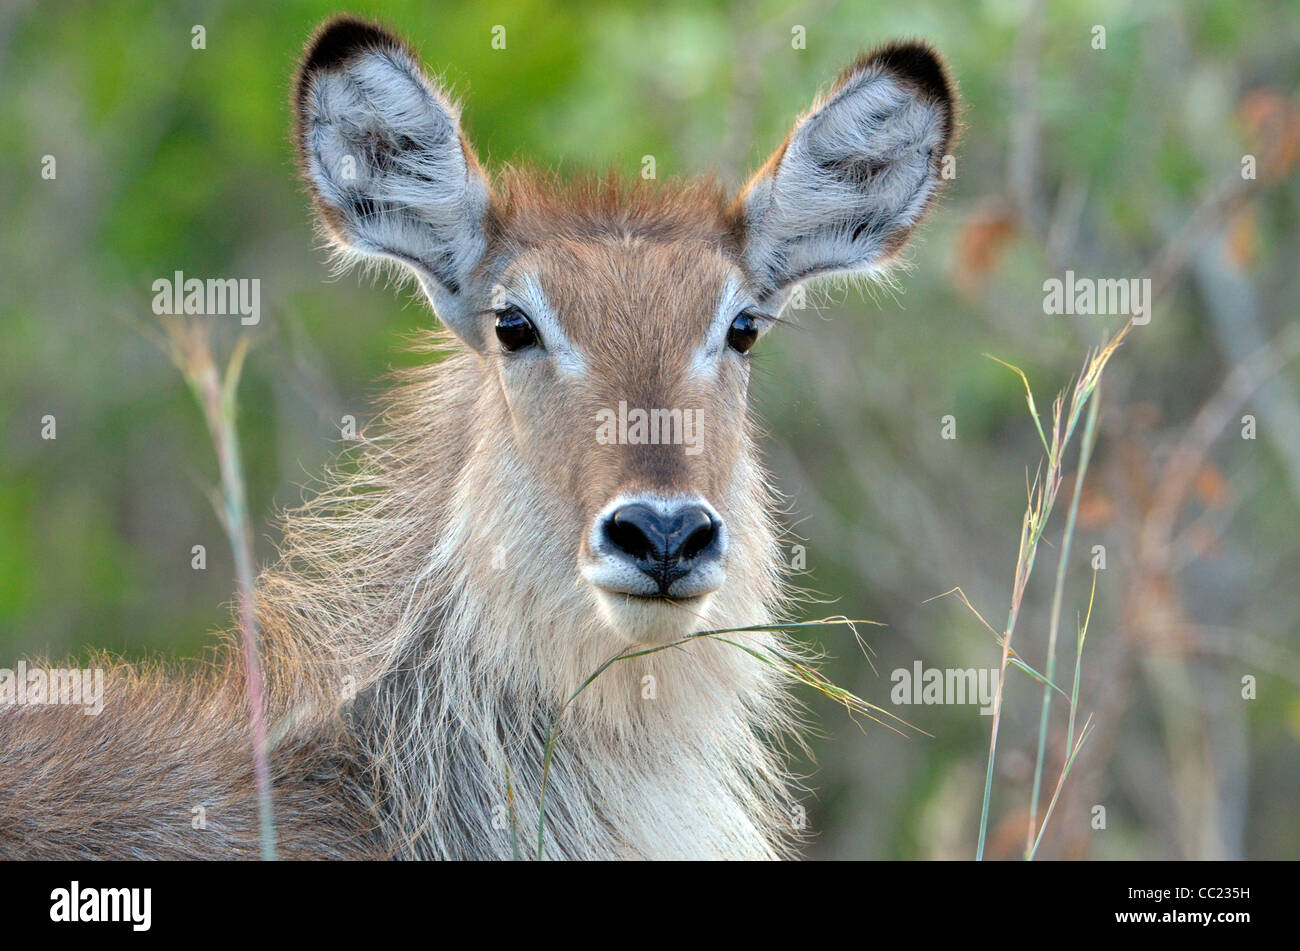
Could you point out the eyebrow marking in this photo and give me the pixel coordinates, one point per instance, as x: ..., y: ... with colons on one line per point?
x: 731, y: 301
x: 568, y: 360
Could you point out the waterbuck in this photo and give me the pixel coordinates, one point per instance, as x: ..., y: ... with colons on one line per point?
x: 577, y: 476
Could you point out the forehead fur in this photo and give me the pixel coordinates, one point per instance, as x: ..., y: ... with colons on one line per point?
x: 531, y: 207
x: 626, y: 299
x: 621, y: 263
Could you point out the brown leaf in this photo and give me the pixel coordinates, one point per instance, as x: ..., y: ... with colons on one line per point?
x: 1211, y: 485
x: 980, y: 244
x: 1243, y: 238
x: 1272, y: 126
x: 1096, y: 509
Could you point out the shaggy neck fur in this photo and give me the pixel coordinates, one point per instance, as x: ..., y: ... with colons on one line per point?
x: 425, y: 584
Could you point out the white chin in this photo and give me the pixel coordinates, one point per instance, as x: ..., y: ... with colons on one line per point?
x: 652, y: 620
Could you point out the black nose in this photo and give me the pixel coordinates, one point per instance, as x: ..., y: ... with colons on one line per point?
x: 666, y: 545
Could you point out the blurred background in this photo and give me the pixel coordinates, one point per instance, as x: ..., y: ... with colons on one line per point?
x: 1119, y: 161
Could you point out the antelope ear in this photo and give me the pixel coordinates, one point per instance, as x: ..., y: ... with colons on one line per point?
x: 855, y: 174
x: 390, y: 172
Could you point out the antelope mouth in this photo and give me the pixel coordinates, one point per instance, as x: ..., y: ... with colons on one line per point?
x: 692, y: 588
x: 652, y: 619
x: 686, y: 600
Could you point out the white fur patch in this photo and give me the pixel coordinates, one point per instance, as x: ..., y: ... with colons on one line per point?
x: 532, y: 299
x: 733, y: 299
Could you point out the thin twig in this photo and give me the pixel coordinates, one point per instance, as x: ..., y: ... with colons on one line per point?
x: 1042, y: 498
x: 1085, y: 453
x: 215, y: 392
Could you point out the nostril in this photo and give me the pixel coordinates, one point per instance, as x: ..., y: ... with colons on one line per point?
x: 629, y: 538
x: 632, y: 529
x: 698, y: 540
x: 691, y: 531
x: 649, y: 535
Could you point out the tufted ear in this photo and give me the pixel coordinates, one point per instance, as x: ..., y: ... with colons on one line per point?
x: 390, y: 171
x: 855, y: 174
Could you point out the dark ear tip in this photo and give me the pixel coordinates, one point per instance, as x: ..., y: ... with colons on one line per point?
x: 339, y: 39
x: 919, y: 64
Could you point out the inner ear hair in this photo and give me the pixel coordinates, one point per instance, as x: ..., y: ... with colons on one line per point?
x: 855, y: 175
x: 390, y: 172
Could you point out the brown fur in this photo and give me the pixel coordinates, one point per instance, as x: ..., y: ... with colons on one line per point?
x: 126, y: 784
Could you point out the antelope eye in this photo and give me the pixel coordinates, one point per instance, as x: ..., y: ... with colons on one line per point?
x: 515, y: 330
x: 743, y: 333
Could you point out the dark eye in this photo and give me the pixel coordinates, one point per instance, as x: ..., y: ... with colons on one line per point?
x: 743, y: 333
x: 515, y: 330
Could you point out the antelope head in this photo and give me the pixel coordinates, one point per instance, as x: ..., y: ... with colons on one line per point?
x: 612, y: 325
